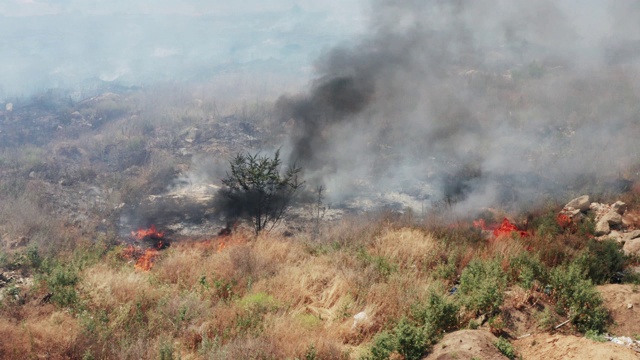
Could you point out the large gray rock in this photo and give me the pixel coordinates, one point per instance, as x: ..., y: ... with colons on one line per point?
x: 581, y: 203
x: 603, y: 226
x: 612, y: 217
x: 632, y: 247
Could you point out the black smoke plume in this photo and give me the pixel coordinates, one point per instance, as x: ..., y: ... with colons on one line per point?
x: 482, y: 101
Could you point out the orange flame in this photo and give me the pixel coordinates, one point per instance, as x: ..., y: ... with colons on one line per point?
x: 564, y: 220
x: 145, y: 262
x: 506, y: 228
x: 151, y: 231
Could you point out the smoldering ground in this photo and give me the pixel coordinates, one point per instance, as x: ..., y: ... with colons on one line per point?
x: 485, y: 102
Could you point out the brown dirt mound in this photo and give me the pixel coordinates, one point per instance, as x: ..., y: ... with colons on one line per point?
x: 623, y: 302
x: 466, y: 345
x: 560, y: 347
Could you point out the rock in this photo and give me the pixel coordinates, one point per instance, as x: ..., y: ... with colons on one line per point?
x: 619, y: 207
x: 602, y: 228
x: 571, y: 212
x: 632, y: 247
x: 9, y: 107
x: 629, y: 306
x: 612, y: 217
x: 631, y: 235
x: 580, y: 203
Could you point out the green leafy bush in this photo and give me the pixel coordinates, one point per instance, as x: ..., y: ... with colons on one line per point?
x: 505, y: 347
x: 413, y: 341
x: 383, y: 345
x: 577, y: 296
x: 61, y: 282
x: 408, y: 338
x: 603, y: 261
x: 441, y: 315
x: 482, y: 286
x: 528, y: 270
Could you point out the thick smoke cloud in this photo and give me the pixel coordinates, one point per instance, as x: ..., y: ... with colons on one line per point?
x: 487, y: 102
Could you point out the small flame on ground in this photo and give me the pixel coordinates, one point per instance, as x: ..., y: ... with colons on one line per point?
x: 151, y: 231
x: 145, y: 262
x: 506, y: 228
x: 564, y: 220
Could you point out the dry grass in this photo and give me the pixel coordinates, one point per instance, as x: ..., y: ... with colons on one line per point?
x: 44, y: 333
x: 241, y: 297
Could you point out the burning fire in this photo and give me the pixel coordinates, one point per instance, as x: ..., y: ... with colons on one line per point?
x: 150, y: 232
x: 144, y: 257
x: 145, y: 262
x: 506, y: 228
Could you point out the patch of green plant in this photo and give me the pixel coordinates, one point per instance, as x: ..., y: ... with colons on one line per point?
x: 578, y: 298
x: 384, y: 268
x: 60, y: 281
x: 595, y: 336
x: 547, y: 319
x: 447, y: 270
x: 383, y: 345
x: 408, y: 338
x: 438, y: 312
x: 528, y: 270
x: 482, y: 286
x: 505, y: 347
x: 603, y: 261
x: 260, y: 302
x: 412, y: 341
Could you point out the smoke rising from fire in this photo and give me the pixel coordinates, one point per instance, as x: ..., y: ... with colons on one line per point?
x: 482, y: 101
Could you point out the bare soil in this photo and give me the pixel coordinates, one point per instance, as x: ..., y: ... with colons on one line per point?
x: 560, y: 347
x: 466, y: 344
x: 623, y: 302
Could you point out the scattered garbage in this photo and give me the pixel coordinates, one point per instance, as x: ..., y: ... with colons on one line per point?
x: 625, y: 341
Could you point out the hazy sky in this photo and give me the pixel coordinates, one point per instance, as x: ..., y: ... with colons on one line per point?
x: 65, y: 43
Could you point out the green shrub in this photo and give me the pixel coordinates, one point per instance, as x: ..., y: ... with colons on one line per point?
x: 438, y: 313
x: 577, y: 296
x: 383, y: 345
x: 482, y: 286
x: 505, y: 347
x: 412, y: 341
x: 603, y: 261
x: 61, y: 281
x: 408, y: 338
x: 547, y: 319
x: 528, y: 270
